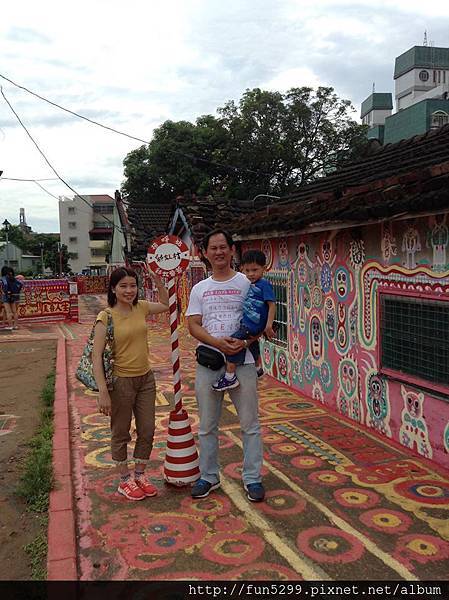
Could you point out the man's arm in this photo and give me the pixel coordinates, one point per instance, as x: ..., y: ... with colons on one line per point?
x: 227, y: 345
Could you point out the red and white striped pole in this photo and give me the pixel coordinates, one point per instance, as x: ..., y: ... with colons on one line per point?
x: 169, y: 256
x: 181, y: 458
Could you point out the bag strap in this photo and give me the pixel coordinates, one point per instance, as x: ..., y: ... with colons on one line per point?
x: 109, y: 328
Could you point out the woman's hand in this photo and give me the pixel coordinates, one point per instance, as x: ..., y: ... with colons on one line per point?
x: 104, y: 402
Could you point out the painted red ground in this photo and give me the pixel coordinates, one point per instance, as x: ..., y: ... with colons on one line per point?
x: 341, y: 503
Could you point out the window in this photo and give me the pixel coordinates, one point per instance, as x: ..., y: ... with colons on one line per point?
x: 103, y: 208
x: 71, y: 210
x: 72, y: 224
x: 414, y: 339
x: 73, y: 240
x: 74, y: 255
x: 424, y: 76
x: 439, y: 118
x: 279, y: 281
x: 98, y: 251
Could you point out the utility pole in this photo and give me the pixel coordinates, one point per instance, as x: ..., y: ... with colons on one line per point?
x: 42, y: 257
x: 60, y: 257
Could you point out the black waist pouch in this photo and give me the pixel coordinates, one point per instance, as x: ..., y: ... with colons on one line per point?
x: 210, y: 358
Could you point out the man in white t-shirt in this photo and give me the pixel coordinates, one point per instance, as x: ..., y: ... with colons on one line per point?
x: 214, y: 313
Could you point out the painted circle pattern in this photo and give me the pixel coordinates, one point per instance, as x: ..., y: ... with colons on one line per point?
x: 282, y: 502
x: 233, y: 549
x: 356, y: 498
x: 386, y: 521
x: 329, y: 545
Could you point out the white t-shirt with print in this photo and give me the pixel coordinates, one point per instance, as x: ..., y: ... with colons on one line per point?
x: 220, y: 303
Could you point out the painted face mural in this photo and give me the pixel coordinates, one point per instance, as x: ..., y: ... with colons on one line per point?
x: 267, y: 249
x: 329, y: 318
x: 356, y: 253
x: 316, y: 338
x: 375, y: 393
x: 283, y: 253
x: 342, y: 283
x: 326, y: 250
x: 282, y: 365
x: 348, y: 376
x: 378, y: 415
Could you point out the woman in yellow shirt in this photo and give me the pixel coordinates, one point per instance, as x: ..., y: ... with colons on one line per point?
x: 134, y: 386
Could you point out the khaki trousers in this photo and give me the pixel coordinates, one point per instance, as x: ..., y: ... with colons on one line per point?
x: 133, y: 395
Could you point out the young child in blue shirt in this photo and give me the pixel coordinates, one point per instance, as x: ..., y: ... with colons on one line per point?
x: 258, y: 315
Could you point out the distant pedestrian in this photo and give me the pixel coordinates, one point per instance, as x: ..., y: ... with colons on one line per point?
x: 10, y: 296
x: 134, y: 388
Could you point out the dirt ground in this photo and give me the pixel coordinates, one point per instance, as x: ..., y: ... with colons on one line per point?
x: 23, y: 369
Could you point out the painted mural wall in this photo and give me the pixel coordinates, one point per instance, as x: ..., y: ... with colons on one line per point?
x: 334, y: 280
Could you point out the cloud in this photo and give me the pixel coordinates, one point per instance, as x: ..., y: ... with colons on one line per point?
x: 25, y: 35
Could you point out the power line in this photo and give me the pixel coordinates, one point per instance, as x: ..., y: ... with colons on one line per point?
x: 20, y: 179
x: 132, y: 137
x: 49, y: 163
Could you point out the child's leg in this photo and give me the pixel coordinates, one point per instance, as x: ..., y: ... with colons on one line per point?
x: 230, y: 369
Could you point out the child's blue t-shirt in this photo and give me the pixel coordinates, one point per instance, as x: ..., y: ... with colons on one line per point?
x: 255, y: 307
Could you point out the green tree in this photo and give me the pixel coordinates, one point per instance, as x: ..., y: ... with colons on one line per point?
x: 267, y: 143
x: 57, y: 259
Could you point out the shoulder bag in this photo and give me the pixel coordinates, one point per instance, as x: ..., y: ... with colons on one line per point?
x: 85, y: 370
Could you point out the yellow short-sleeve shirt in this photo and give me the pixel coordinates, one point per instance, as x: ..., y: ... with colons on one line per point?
x: 131, y: 355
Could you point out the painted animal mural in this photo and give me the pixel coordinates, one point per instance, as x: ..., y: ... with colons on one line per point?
x: 413, y: 432
x: 377, y: 402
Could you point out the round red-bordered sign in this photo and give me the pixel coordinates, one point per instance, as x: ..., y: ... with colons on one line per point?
x: 168, y: 256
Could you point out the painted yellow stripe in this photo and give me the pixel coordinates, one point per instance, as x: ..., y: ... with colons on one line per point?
x: 386, y: 558
x: 299, y: 563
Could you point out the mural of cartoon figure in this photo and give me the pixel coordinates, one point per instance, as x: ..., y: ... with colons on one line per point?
x: 411, y: 244
x: 317, y: 392
x: 326, y: 262
x: 413, y: 431
x: 282, y: 366
x: 388, y: 243
x: 348, y: 396
x: 283, y: 254
x: 376, y: 394
x: 356, y: 253
x: 315, y: 364
x: 329, y: 318
x: 438, y: 239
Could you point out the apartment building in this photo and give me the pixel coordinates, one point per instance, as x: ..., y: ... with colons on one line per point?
x: 86, y: 226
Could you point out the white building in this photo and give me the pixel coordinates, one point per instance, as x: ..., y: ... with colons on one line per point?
x: 86, y: 225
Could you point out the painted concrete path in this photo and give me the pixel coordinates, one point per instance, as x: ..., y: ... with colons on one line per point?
x: 341, y: 503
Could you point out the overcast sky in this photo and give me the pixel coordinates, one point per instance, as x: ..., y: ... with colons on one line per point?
x: 132, y: 65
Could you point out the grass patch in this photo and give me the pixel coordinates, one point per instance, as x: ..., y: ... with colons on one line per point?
x: 36, y: 481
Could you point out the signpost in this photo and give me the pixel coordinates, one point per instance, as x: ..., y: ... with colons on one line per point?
x: 168, y: 257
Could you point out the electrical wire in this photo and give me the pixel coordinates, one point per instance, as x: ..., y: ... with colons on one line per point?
x: 20, y: 179
x: 132, y: 137
x: 49, y: 163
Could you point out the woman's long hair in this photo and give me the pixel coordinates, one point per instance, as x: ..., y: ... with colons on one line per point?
x: 114, y: 278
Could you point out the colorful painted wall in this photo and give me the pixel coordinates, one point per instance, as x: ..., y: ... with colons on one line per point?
x: 334, y: 279
x: 48, y: 300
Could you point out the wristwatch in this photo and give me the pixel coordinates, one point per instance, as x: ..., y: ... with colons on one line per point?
x: 245, y: 343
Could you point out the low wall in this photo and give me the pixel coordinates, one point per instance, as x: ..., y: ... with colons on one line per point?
x: 48, y: 300
x: 92, y: 284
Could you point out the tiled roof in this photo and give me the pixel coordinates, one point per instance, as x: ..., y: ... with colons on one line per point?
x: 148, y: 221
x: 204, y: 213
x: 411, y: 176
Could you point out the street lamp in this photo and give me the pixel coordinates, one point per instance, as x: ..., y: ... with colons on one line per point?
x: 6, y: 224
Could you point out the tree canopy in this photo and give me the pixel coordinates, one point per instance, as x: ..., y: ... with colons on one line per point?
x: 267, y: 143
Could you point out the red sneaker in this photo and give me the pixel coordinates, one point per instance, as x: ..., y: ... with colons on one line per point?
x: 147, y: 488
x: 130, y: 490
